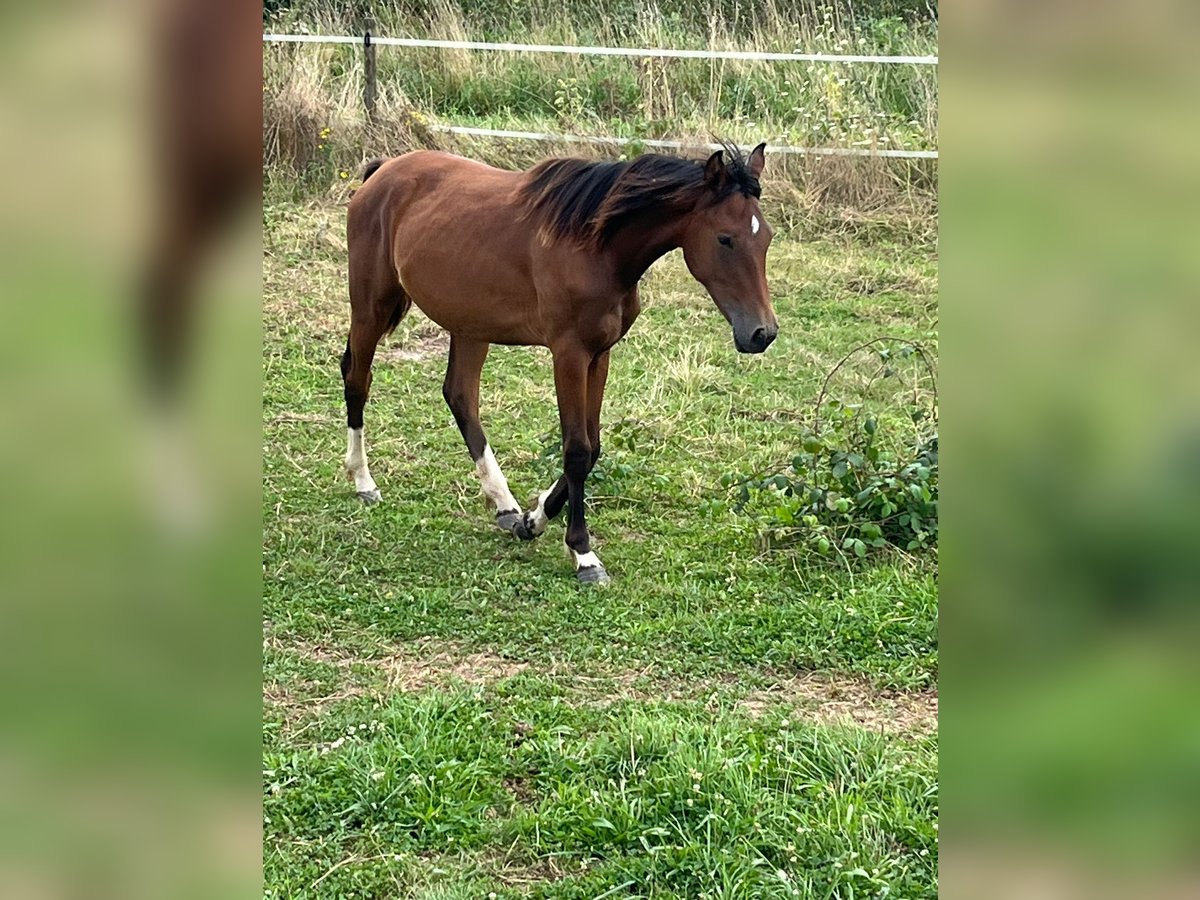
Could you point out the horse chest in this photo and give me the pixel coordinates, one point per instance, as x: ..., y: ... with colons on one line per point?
x: 631, y: 307
x: 610, y: 319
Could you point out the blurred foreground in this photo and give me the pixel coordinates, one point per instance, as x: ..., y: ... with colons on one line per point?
x: 129, y: 645
x: 1071, y: 743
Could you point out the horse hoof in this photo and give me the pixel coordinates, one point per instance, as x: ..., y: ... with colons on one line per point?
x: 521, y: 529
x: 508, y: 520
x: 592, y: 575
x: 370, y: 497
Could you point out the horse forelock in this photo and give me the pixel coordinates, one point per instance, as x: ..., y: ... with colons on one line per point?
x: 737, y: 167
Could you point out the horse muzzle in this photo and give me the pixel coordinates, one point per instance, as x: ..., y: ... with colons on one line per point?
x: 757, y: 340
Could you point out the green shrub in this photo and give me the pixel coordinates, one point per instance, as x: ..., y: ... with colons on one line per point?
x: 860, y: 483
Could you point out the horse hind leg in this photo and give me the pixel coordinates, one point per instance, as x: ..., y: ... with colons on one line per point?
x: 461, y: 391
x: 366, y: 330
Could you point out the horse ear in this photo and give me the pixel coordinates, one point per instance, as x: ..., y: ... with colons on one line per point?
x: 758, y: 158
x: 714, y: 169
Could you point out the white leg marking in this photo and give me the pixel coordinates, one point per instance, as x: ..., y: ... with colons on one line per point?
x: 585, y: 560
x: 537, y: 515
x: 356, y: 462
x: 169, y: 472
x: 494, y: 483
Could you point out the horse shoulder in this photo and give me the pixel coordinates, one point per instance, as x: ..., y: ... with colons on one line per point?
x: 586, y: 307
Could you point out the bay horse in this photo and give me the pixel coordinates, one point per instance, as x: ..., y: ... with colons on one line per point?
x: 549, y: 257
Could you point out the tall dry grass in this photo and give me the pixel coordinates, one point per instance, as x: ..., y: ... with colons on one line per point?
x: 316, y: 133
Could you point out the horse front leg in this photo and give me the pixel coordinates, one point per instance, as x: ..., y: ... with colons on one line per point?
x: 571, y: 382
x: 552, y: 500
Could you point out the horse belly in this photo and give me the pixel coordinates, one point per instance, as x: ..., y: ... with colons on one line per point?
x: 466, y: 297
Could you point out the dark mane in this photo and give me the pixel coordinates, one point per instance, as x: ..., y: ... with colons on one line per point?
x: 590, y: 202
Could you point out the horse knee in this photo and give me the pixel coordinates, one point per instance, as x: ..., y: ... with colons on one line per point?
x: 577, y: 460
x: 346, y: 360
x: 595, y: 456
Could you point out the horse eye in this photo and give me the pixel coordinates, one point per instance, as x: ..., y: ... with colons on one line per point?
x: 726, y: 240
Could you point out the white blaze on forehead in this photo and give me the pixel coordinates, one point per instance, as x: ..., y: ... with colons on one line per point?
x: 754, y: 224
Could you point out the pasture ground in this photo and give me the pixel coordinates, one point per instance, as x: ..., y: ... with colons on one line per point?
x: 447, y: 714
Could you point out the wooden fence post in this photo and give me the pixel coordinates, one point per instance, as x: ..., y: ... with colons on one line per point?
x: 369, y: 71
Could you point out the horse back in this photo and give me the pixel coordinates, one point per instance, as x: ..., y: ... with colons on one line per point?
x: 453, y: 232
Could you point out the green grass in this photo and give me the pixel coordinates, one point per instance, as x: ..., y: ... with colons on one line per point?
x: 689, y: 730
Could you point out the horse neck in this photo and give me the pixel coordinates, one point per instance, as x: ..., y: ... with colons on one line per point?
x: 637, y: 245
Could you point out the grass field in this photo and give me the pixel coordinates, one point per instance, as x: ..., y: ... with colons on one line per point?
x: 448, y: 714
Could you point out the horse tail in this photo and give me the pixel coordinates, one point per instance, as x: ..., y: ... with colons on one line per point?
x: 372, y: 167
x: 402, y: 306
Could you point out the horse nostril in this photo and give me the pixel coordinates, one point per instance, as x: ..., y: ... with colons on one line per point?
x: 762, y: 338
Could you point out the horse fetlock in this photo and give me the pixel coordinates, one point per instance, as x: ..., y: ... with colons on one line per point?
x: 529, y: 526
x: 357, y: 472
x: 356, y: 467
x: 508, y: 519
x: 533, y: 523
x: 588, y: 568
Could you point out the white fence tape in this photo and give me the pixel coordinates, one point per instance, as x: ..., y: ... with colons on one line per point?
x: 645, y: 52
x: 677, y: 145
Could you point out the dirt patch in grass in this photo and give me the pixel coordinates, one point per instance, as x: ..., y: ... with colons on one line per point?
x: 430, y: 664
x: 426, y: 664
x: 276, y: 694
x: 543, y: 871
x: 866, y: 284
x: 307, y: 418
x: 502, y: 869
x: 824, y: 699
x: 524, y: 874
x: 521, y: 789
x: 831, y: 700
x: 297, y: 703
x: 423, y: 342
x: 775, y: 415
x: 419, y: 670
